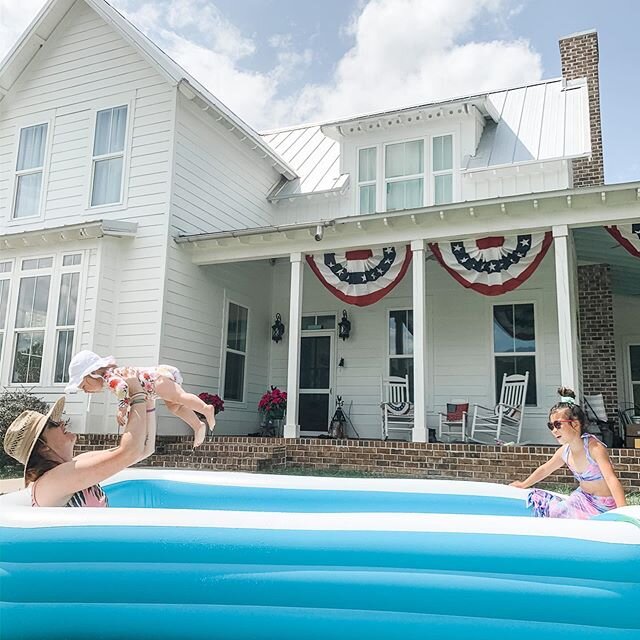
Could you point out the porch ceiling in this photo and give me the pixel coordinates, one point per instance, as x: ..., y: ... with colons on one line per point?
x: 594, y: 245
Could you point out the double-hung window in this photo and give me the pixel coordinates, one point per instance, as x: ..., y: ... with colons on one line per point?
x: 514, y: 345
x: 367, y: 159
x: 29, y: 171
x: 108, y: 156
x: 5, y: 287
x: 401, y: 345
x: 404, y: 175
x: 235, y: 352
x: 66, y: 315
x: 442, y: 169
x: 31, y: 319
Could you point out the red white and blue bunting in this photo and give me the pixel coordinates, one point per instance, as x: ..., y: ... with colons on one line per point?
x: 494, y: 265
x: 628, y: 235
x: 362, y: 276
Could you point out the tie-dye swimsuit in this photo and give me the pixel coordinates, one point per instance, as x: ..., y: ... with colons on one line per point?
x: 579, y: 504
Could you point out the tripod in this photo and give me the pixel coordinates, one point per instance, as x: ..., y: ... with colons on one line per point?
x: 340, y: 421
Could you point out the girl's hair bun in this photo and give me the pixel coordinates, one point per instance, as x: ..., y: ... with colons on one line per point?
x: 565, y: 392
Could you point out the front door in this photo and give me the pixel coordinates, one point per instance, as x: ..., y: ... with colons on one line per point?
x: 316, y: 373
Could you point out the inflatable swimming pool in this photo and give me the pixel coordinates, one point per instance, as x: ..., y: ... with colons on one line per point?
x: 189, y: 554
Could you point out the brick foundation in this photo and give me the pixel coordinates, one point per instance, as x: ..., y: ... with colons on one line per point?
x: 599, y: 374
x: 405, y: 459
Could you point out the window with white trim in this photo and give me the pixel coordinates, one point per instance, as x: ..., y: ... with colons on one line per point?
x: 235, y: 352
x: 31, y: 320
x: 634, y: 364
x: 400, y: 354
x: 108, y: 156
x: 5, y: 287
x: 66, y: 316
x: 29, y: 171
x: 367, y: 159
x: 404, y: 175
x: 442, y: 169
x: 514, y: 345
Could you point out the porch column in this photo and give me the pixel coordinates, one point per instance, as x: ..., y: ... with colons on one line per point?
x: 419, y: 341
x: 566, y: 299
x: 291, y: 427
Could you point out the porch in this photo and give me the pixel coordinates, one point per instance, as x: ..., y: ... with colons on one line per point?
x: 578, y: 309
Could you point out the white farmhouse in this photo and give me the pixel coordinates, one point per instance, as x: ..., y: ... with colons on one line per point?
x: 464, y: 239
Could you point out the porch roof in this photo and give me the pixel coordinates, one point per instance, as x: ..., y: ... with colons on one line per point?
x: 46, y: 236
x: 574, y: 208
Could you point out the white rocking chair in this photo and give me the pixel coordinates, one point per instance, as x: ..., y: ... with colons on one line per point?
x: 505, y: 419
x: 397, y: 410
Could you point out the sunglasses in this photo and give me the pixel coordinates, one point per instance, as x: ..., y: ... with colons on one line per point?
x: 556, y: 424
x: 62, y: 423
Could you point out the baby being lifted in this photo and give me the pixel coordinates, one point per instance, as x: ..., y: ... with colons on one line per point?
x: 91, y: 373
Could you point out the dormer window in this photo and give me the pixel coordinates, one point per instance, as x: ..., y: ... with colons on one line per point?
x: 367, y: 159
x: 442, y: 169
x: 404, y: 175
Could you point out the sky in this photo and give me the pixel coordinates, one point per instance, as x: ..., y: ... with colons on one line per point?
x: 277, y: 63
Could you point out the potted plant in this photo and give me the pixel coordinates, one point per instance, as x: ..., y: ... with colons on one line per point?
x: 213, y: 399
x: 273, y: 404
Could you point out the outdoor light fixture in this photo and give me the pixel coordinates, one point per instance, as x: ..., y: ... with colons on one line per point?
x: 344, y: 326
x: 277, y: 329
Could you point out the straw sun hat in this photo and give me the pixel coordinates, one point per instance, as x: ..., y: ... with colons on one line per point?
x: 24, y: 431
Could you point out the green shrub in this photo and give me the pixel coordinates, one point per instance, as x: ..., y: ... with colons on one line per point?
x: 12, y: 404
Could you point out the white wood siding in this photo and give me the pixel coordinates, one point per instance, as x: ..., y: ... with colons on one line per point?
x: 83, y: 67
x: 459, y: 344
x: 219, y: 182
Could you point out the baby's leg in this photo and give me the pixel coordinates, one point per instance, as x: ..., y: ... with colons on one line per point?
x: 170, y: 391
x: 182, y: 412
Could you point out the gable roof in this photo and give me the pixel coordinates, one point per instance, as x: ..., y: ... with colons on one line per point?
x: 50, y: 16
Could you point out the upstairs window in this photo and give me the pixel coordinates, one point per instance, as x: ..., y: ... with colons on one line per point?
x: 108, y: 156
x: 29, y: 171
x: 367, y: 179
x: 442, y: 168
x: 404, y: 175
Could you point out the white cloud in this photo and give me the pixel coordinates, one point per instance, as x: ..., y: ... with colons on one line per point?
x: 403, y: 52
x: 14, y: 18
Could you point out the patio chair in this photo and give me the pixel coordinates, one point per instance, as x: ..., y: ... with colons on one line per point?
x: 505, y: 419
x: 453, y: 423
x: 397, y: 410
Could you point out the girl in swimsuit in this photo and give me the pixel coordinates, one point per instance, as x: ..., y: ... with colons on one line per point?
x: 588, y: 460
x: 42, y: 443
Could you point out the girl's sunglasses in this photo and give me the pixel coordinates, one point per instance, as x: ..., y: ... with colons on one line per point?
x: 556, y: 424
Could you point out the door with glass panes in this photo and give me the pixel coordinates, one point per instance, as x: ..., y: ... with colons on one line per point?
x: 316, y: 382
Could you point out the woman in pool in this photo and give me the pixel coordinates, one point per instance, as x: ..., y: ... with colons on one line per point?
x: 57, y: 478
x: 588, y: 460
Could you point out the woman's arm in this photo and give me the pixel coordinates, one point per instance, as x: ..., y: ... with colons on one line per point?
x: 600, y: 455
x: 544, y: 470
x: 91, y: 468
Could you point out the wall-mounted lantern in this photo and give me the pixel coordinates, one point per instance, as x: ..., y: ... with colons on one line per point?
x: 344, y: 326
x: 277, y: 329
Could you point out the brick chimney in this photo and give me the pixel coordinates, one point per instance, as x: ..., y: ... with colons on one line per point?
x: 579, y: 57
